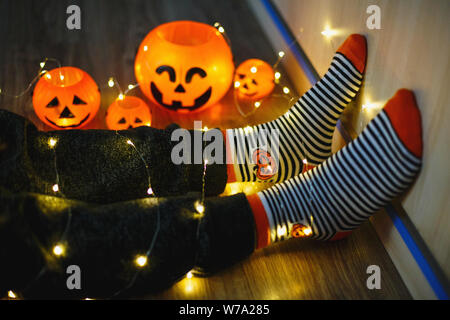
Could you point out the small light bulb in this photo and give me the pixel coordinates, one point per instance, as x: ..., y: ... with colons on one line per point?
x: 253, y: 69
x: 237, y: 84
x: 305, y: 161
x: 141, y: 261
x: 11, y: 294
x: 205, y: 128
x: 61, y: 77
x: 257, y: 104
x: 111, y: 82
x: 58, y: 250
x: 42, y: 64
x: 52, y: 142
x: 149, y: 191
x: 199, y: 207
x: 55, y: 188
x: 189, y: 275
x: 48, y: 76
x: 130, y: 86
x: 281, y: 231
x: 145, y: 48
x: 206, y: 162
x: 216, y: 24
x: 277, y: 75
x: 307, y: 231
x: 121, y: 96
x: 286, y: 90
x: 130, y: 142
x: 281, y: 54
x: 221, y: 29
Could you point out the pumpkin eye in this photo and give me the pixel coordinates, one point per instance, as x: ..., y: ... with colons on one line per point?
x: 77, y: 100
x: 167, y: 69
x: 53, y: 103
x: 194, y: 71
x: 137, y: 120
x: 254, y: 82
x: 241, y: 76
x: 122, y: 121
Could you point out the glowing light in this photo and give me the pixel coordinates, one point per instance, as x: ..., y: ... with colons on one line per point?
x: 286, y: 90
x: 200, y: 207
x: 216, y: 24
x: 121, y: 96
x: 248, y: 129
x: 328, y: 32
x: 130, y: 86
x: 281, y: 54
x: 281, y: 231
x: 221, y: 29
x: 11, y: 294
x: 55, y: 188
x: 130, y: 142
x: 111, y: 82
x: 61, y: 77
x: 145, y: 48
x: 277, y: 75
x: 305, y: 161
x: 253, y: 69
x: 52, y: 142
x: 307, y: 231
x: 42, y: 64
x: 58, y: 250
x: 149, y: 191
x: 237, y: 84
x: 205, y: 128
x: 206, y: 162
x: 141, y: 261
x: 48, y: 76
x: 257, y: 104
x: 189, y: 275
x: 88, y: 299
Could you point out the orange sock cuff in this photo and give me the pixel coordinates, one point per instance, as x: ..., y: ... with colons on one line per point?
x: 231, y: 176
x: 261, y: 221
x: 405, y: 117
x: 355, y: 49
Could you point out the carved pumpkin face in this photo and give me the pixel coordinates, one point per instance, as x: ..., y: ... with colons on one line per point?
x: 254, y: 79
x: 184, y: 66
x: 131, y: 112
x: 66, y: 98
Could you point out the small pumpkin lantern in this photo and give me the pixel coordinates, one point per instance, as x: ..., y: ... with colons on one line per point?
x: 184, y: 66
x: 254, y: 79
x: 66, y: 98
x: 129, y: 112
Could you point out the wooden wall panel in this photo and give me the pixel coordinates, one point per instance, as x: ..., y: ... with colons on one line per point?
x: 411, y: 50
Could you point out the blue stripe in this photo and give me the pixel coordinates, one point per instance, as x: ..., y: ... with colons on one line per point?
x: 417, y: 254
x: 313, y: 77
x: 288, y: 37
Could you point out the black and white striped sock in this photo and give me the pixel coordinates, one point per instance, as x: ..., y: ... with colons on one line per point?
x: 351, y: 185
x: 306, y: 130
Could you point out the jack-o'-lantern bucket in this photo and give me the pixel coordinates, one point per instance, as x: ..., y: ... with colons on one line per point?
x: 66, y: 98
x: 184, y: 66
x: 129, y: 112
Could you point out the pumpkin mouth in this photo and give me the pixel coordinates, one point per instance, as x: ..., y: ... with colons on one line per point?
x: 177, y: 105
x: 70, y: 126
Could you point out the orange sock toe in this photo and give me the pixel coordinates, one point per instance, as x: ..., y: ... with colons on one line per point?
x: 355, y: 49
x: 405, y: 117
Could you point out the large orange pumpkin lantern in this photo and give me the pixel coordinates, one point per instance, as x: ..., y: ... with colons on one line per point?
x: 184, y: 66
x: 254, y: 79
x: 66, y: 98
x: 126, y: 113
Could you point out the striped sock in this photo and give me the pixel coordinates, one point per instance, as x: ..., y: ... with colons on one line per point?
x: 305, y: 131
x: 337, y: 196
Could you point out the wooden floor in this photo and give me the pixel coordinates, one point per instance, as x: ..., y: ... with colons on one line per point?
x: 106, y: 46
